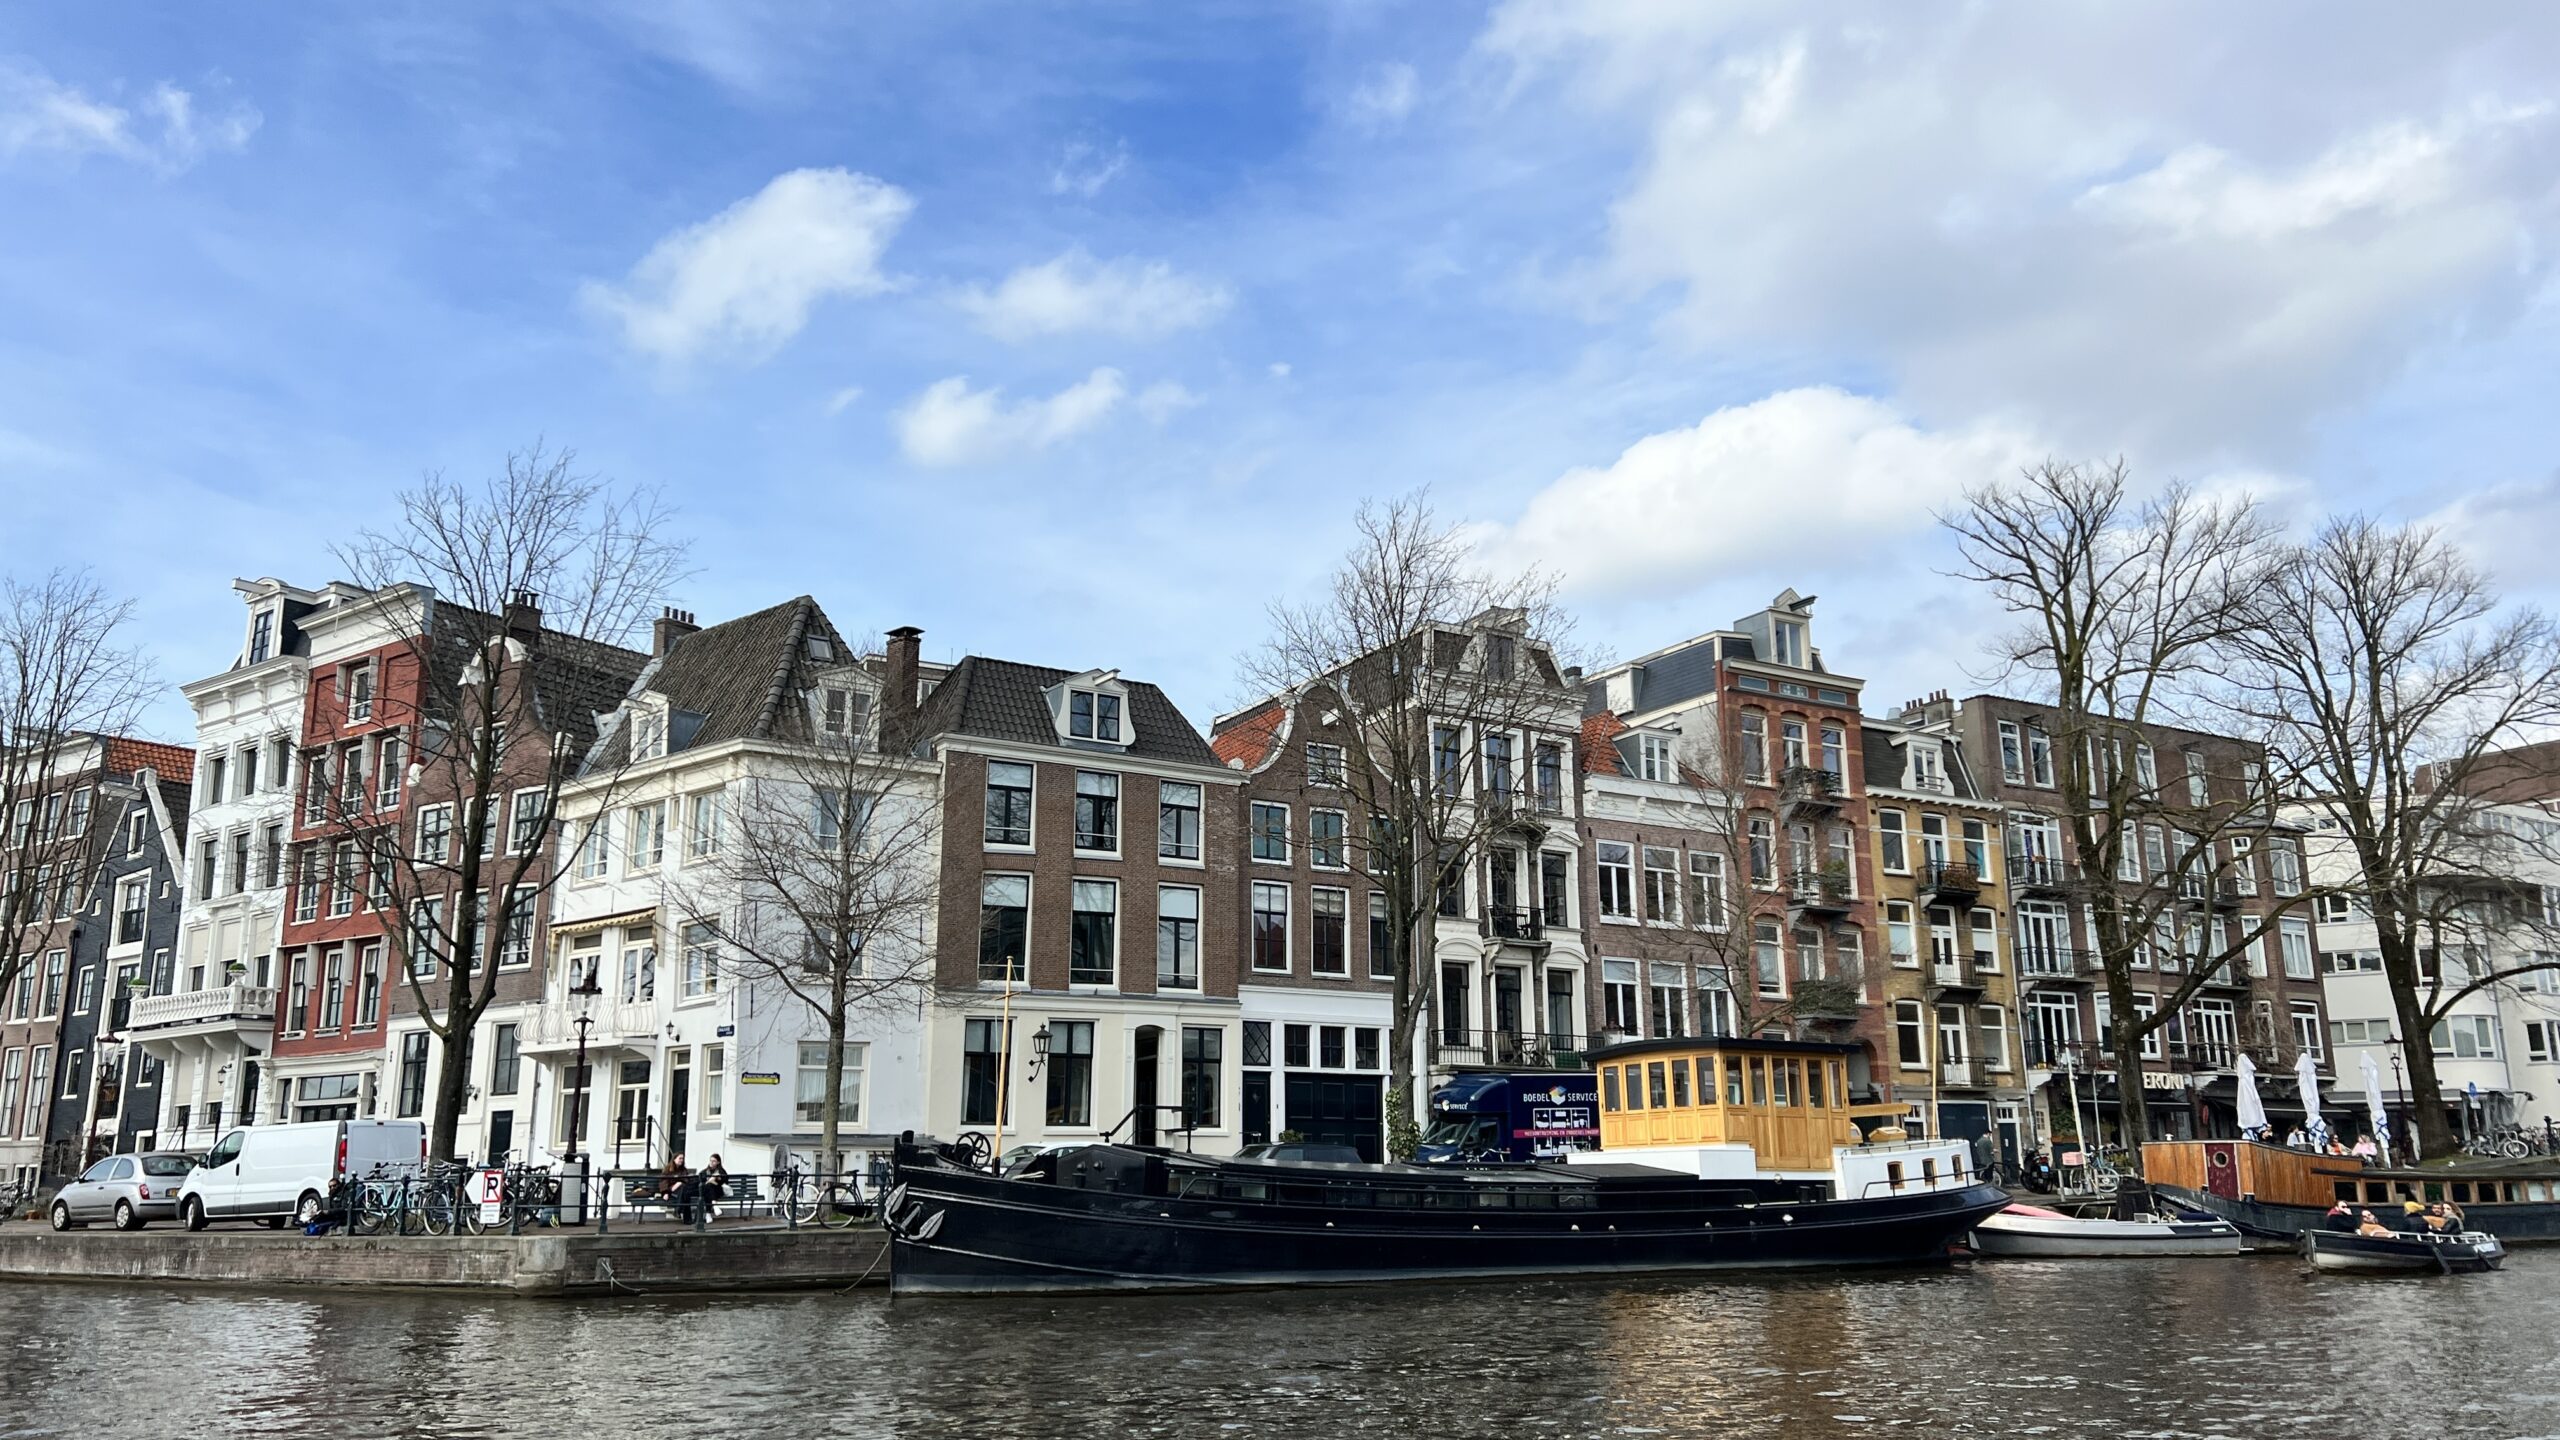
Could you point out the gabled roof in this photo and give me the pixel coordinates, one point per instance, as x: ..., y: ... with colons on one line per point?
x: 574, y: 679
x: 1249, y: 739
x: 1599, y: 746
x: 1884, y: 760
x: 1005, y: 700
x: 737, y: 680
x: 169, y: 762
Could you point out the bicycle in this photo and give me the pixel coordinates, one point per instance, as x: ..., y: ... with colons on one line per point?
x: 837, y: 1204
x: 2505, y: 1143
x: 16, y: 1199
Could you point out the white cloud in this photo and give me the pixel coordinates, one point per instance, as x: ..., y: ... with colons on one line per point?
x: 2506, y: 530
x: 1803, y: 476
x: 165, y: 131
x: 1279, y: 369
x: 837, y: 402
x: 1085, y: 166
x: 953, y: 423
x: 1075, y: 293
x: 1384, y: 98
x: 2068, y: 214
x: 1163, y: 400
x: 743, y: 281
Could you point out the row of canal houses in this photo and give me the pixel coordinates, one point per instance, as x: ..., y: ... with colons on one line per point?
x: 1129, y: 911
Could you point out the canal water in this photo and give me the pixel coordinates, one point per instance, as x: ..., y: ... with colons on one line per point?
x: 2242, y: 1348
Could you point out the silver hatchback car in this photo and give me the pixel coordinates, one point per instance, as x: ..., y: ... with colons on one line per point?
x: 129, y: 1191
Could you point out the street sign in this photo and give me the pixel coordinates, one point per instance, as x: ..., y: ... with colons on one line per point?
x: 761, y: 1077
x: 489, y: 1192
x: 725, y: 1031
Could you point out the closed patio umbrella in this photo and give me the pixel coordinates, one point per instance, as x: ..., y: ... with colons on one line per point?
x: 2381, y: 1116
x: 2253, y: 1112
x: 2306, y: 1071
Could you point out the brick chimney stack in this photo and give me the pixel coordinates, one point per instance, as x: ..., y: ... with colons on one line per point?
x: 898, y: 706
x: 524, y: 617
x: 670, y: 627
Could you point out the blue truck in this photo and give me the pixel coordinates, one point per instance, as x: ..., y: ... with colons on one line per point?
x: 1493, y: 1118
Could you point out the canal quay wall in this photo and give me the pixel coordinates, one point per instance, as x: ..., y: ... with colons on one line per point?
x: 574, y: 1265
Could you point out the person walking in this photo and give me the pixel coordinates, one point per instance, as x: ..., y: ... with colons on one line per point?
x: 1986, y: 1155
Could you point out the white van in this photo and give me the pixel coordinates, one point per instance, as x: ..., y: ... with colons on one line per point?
x: 277, y: 1173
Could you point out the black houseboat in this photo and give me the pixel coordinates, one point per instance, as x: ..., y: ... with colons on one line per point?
x: 1715, y: 1153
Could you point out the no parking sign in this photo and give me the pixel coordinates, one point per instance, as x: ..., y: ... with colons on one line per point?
x: 489, y: 1192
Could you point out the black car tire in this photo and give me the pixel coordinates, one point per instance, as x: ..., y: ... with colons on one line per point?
x: 61, y: 1216
x: 273, y: 1222
x: 191, y: 1213
x: 310, y: 1209
x: 126, y: 1219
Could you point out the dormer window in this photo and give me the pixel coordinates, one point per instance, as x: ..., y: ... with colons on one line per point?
x: 1927, y: 771
x: 822, y: 649
x: 843, y: 712
x: 1653, y: 758
x: 1498, y: 651
x: 1093, y: 715
x: 262, y: 636
x: 648, y: 734
x: 1786, y: 643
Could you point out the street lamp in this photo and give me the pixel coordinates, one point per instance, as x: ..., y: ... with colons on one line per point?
x: 1039, y: 1050
x: 582, y: 995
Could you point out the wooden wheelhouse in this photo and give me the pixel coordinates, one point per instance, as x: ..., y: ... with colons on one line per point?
x: 1786, y: 1099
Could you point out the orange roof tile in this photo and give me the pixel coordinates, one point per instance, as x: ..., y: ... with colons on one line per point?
x: 1251, y: 739
x: 1599, y: 750
x: 169, y: 762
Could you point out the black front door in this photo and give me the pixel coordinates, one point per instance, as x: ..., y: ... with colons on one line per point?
x: 1337, y: 1110
x: 1142, y: 1089
x: 1257, y: 1107
x: 502, y: 1135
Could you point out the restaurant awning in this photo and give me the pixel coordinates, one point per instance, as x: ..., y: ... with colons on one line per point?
x: 620, y: 920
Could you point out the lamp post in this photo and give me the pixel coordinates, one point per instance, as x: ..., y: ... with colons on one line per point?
x: 2399, y: 1092
x: 582, y: 994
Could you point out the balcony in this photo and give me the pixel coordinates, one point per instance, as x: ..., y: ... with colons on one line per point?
x: 2037, y: 874
x: 2227, y: 975
x: 228, y: 1010
x: 554, y: 1025
x: 1950, y: 883
x: 1953, y: 973
x: 1808, y: 792
x: 1824, y: 892
x: 2227, y: 894
x: 2052, y: 964
x: 1958, y: 1075
x: 1521, y: 927
x: 1510, y: 807
x: 1506, y: 1048
x: 1826, y: 1001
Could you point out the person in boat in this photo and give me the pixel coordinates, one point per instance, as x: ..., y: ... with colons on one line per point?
x: 2368, y: 1225
x: 2444, y: 1217
x: 2413, y: 1218
x: 2294, y: 1139
x: 2341, y: 1219
x: 2365, y: 1149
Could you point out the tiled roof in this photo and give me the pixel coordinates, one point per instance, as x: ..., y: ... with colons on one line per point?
x: 1599, y: 744
x: 1003, y: 700
x: 169, y: 762
x: 1883, y: 758
x: 1251, y: 739
x: 737, y: 679
x: 574, y: 679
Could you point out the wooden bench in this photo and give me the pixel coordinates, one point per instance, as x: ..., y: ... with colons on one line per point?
x: 644, y: 1189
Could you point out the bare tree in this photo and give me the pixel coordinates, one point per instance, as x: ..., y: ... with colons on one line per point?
x: 1415, y: 652
x: 2126, y: 607
x: 66, y: 676
x: 821, y: 891
x: 2401, y: 700
x: 506, y: 603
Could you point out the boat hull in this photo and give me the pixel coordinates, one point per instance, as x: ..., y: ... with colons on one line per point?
x: 959, y: 1232
x: 2065, y: 1238
x: 2470, y: 1252
x: 2532, y: 1221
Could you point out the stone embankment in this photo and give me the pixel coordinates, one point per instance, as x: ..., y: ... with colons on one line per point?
x: 553, y: 1264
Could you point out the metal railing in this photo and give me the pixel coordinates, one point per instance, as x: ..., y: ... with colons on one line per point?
x: 1515, y: 924
x: 1505, y: 1047
x: 1819, y: 890
x: 2037, y: 872
x: 1950, y: 878
x: 2056, y: 963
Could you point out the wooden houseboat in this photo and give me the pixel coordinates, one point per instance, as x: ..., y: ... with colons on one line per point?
x: 1716, y: 1153
x: 2275, y: 1192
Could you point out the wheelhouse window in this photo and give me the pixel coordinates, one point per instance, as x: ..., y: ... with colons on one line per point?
x: 1008, y: 803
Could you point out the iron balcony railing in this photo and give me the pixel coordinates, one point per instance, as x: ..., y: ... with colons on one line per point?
x: 2032, y: 872
x: 1808, y: 790
x: 1507, y: 1047
x: 1529, y: 926
x: 2056, y: 963
x: 1950, y: 880
x: 1819, y: 890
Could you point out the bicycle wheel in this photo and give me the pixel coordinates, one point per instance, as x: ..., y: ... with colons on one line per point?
x: 800, y: 1205
x: 2515, y: 1147
x: 843, y: 1208
x: 2104, y: 1183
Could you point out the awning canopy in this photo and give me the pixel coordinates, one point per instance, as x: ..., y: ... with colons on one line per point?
x: 621, y: 920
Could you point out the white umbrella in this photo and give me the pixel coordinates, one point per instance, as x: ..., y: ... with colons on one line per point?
x: 2373, y: 1104
x: 2306, y: 1072
x: 2253, y: 1112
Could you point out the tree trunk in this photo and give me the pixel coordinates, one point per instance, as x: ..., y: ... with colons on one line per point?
x: 831, y: 1105
x: 2434, y: 1130
x: 1399, y: 1118
x: 453, y: 1089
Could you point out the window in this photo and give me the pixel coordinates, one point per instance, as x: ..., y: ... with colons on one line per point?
x: 2013, y: 752
x: 1447, y: 766
x: 1549, y: 777
x: 369, y: 986
x: 1768, y: 958
x: 645, y: 838
x: 2039, y: 757
x: 298, y: 1007
x: 2293, y: 938
x: 1270, y: 926
x: 1764, y: 851
x: 1707, y: 902
x: 2537, y: 1048
x: 1324, y: 765
x: 1910, y: 1043
x: 2337, y: 909
x: 1203, y: 1048
x: 1661, y: 885
x: 1327, y: 840
x: 1296, y: 1050
x: 1787, y: 643
x: 1893, y: 842
x: 2193, y: 759
x: 389, y: 774
x: 2146, y: 769
x: 844, y: 713
x: 1618, y: 997
x: 2284, y: 864
x: 1270, y: 829
x: 1667, y: 1007
x: 1004, y: 925
x: 435, y: 835
x: 982, y: 1057
x: 262, y: 645
x: 1008, y: 803
x: 1498, y: 776
x: 1977, y: 847
x: 1933, y: 841
x: 1791, y: 743
x: 515, y: 929
x: 1901, y: 934
x: 1177, y: 938
x: 239, y: 862
x: 1653, y: 758
x: 1993, y: 1026
x: 426, y: 937
x: 356, y: 683
x: 648, y: 735
x: 532, y: 815
x: 1097, y: 810
x: 1092, y: 933
x: 1070, y: 1073
x: 702, y: 824
x: 412, y: 1100
x: 205, y: 867
x: 1616, y: 860
x: 1755, y: 747
x: 1382, y: 949
x: 2466, y: 1037
x: 809, y: 1100
x: 1093, y: 715
x: 506, y: 1061
x: 342, y: 878
x: 592, y: 848
x: 1177, y: 820
x: 2306, y: 1026
x: 639, y: 974
x: 701, y: 960
x: 1329, y: 932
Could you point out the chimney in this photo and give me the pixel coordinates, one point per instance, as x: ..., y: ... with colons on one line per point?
x: 899, y: 704
x: 670, y: 627
x: 524, y: 617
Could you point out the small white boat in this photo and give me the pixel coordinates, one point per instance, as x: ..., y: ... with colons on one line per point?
x: 2031, y: 1231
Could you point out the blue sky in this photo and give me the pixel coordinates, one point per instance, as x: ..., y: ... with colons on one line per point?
x: 1074, y: 334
